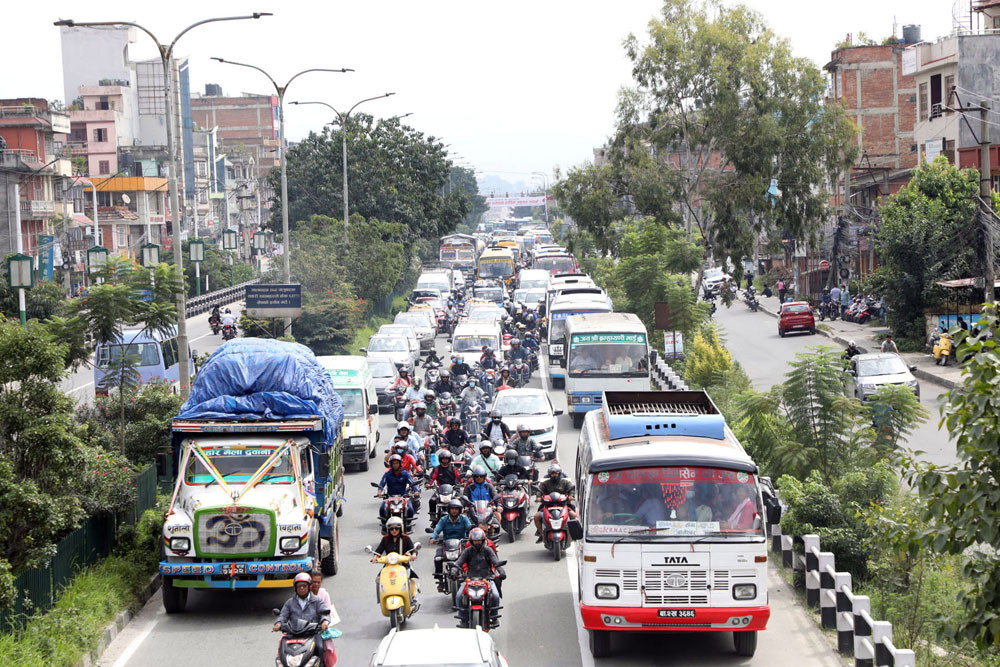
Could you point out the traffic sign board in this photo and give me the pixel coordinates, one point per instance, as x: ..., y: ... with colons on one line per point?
x: 824, y: 265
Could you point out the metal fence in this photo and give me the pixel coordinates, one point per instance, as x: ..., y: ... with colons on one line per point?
x: 38, y: 589
x: 868, y: 641
x: 205, y: 302
x: 664, y: 377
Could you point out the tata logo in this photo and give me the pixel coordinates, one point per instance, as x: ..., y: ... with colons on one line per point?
x: 675, y: 560
x: 675, y: 581
x: 232, y: 529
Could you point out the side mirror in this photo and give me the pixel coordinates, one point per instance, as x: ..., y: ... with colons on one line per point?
x: 557, y: 412
x: 913, y: 368
x: 322, y: 465
x: 418, y: 546
x: 428, y: 530
x: 501, y: 563
x: 368, y: 549
x: 363, y: 350
x: 375, y: 484
x: 373, y: 409
x: 575, y: 529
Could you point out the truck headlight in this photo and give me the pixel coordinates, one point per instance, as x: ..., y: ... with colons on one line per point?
x: 289, y: 544
x: 606, y: 591
x: 744, y: 591
x: 180, y: 544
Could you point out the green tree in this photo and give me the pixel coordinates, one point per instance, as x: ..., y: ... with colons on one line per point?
x: 707, y: 360
x: 929, y: 232
x: 148, y: 411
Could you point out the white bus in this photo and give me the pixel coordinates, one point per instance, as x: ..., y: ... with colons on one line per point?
x: 561, y: 309
x: 673, y: 522
x: 605, y: 352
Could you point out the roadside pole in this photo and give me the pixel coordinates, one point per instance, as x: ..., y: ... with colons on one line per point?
x: 985, y: 189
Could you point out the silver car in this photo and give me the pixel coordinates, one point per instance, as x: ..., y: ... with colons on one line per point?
x: 396, y: 348
x: 422, y: 323
x: 868, y: 372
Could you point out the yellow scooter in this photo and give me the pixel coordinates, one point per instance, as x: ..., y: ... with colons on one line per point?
x: 943, y: 348
x: 395, y: 592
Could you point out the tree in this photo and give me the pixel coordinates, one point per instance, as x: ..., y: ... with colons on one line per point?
x: 707, y: 359
x: 595, y: 200
x: 962, y: 508
x: 929, y: 232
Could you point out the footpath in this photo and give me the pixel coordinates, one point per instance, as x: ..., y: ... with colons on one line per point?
x: 868, y: 338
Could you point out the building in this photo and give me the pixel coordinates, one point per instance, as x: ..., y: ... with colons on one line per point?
x: 101, y: 120
x: 248, y: 123
x: 132, y: 211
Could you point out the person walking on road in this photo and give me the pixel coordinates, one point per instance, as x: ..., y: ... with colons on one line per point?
x: 889, y: 345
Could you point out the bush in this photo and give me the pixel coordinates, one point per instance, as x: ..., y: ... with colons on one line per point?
x: 708, y: 362
x: 148, y: 411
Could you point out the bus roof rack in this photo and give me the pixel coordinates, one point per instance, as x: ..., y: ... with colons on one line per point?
x: 631, y: 414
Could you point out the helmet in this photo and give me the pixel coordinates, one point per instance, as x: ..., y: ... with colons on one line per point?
x: 479, y: 471
x: 394, y: 522
x: 229, y: 311
x: 486, y: 444
x: 444, y: 454
x: 403, y: 424
x: 495, y: 414
x: 303, y: 576
x: 510, y: 456
x: 420, y: 406
x: 850, y: 344
x: 455, y: 503
x: 522, y: 427
x: 531, y: 317
x: 416, y: 382
x: 454, y: 420
x: 429, y: 396
x: 403, y: 371
x: 554, y: 469
x: 445, y: 374
x: 396, y: 457
x: 477, y: 535
x: 515, y: 341
x: 445, y: 396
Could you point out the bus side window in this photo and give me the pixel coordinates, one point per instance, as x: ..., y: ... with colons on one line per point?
x: 169, y: 348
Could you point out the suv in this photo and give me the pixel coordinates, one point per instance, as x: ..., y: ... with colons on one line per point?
x: 796, y: 316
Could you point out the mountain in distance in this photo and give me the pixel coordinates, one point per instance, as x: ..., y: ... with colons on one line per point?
x: 491, y: 184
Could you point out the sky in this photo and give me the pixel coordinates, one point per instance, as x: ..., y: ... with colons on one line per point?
x: 514, y: 87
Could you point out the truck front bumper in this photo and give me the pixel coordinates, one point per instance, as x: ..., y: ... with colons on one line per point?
x: 238, y: 574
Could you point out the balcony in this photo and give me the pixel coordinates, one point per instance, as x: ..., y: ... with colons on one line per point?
x: 25, y: 154
x: 37, y: 207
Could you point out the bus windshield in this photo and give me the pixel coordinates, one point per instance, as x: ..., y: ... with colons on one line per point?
x: 555, y: 264
x: 353, y: 405
x: 496, y: 268
x: 144, y: 354
x: 473, y: 343
x: 608, y: 355
x: 557, y: 330
x: 642, y: 504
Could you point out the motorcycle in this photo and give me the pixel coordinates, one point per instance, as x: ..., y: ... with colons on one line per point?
x: 396, y: 506
x: 228, y: 332
x: 474, y: 418
x: 520, y: 372
x: 828, y: 309
x: 216, y: 323
x: 300, y: 644
x: 450, y: 552
x: 441, y: 497
x: 481, y: 514
x: 514, y: 506
x: 751, y: 300
x: 475, y: 603
x: 555, y: 515
x: 432, y: 373
x: 395, y: 590
x: 400, y: 403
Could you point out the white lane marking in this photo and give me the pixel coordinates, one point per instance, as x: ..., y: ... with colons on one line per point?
x: 200, y: 337
x: 134, y: 646
x: 586, y: 659
x: 545, y: 371
x: 82, y: 386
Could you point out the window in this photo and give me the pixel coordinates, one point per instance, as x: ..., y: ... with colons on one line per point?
x: 102, y: 104
x: 200, y: 169
x: 100, y: 135
x: 169, y: 353
x: 103, y: 198
x: 203, y: 197
x: 949, y: 82
x: 949, y: 151
x: 121, y: 234
x: 996, y: 184
x: 104, y: 167
x: 924, y: 105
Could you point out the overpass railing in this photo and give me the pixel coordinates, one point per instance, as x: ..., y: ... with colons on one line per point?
x: 205, y: 302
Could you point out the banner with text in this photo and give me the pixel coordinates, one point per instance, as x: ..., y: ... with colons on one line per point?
x: 504, y: 202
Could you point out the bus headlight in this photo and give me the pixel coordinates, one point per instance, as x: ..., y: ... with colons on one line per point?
x: 180, y: 544
x: 744, y: 591
x: 606, y: 591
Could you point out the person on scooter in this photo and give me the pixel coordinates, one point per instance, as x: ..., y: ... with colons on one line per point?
x: 396, y: 541
x: 851, y: 351
x: 453, y: 526
x: 487, y: 459
x: 447, y: 407
x: 825, y: 302
x: 496, y: 431
x: 415, y: 393
x: 511, y: 466
x: 399, y: 449
x: 432, y: 358
x: 421, y: 420
x: 529, y: 343
x: 517, y: 353
x: 554, y: 482
x: 445, y: 385
x: 404, y: 380
x: 430, y: 400
x: 216, y: 316
x: 459, y: 367
x: 304, y: 606
x: 479, y: 561
x: 525, y: 444
x: 398, y: 482
x: 504, y: 379
x: 530, y: 323
x: 488, y: 360
x: 414, y: 443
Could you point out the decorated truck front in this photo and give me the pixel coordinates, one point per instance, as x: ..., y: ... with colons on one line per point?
x: 258, y: 476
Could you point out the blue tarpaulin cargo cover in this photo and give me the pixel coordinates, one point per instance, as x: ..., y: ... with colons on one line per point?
x: 264, y: 379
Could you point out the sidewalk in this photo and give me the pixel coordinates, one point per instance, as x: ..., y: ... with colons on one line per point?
x: 868, y: 339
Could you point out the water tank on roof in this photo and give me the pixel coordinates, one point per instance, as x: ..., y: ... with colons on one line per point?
x: 911, y: 34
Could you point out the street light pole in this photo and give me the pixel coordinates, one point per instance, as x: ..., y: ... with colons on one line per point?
x: 166, y: 53
x: 343, y: 136
x: 287, y: 246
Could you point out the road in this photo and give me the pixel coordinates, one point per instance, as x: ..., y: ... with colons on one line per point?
x: 752, y: 339
x: 80, y: 385
x: 539, y: 625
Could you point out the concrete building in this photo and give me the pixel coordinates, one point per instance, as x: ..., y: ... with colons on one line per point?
x: 101, y: 122
x: 132, y: 211
x: 247, y: 123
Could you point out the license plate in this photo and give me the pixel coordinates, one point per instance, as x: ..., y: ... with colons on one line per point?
x: 677, y: 613
x: 236, y: 568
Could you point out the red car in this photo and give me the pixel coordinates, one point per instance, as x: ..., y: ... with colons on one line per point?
x: 796, y: 316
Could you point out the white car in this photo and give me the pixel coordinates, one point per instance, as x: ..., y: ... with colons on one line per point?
x: 533, y: 408
x: 714, y: 278
x: 407, y: 332
x: 422, y: 322
x: 396, y: 348
x: 438, y: 646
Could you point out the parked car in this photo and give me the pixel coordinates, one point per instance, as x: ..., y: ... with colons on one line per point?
x: 713, y: 279
x: 868, y: 372
x: 438, y: 646
x: 533, y: 408
x: 796, y: 316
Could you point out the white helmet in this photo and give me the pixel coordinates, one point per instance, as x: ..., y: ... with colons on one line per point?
x: 403, y: 424
x: 394, y: 521
x: 850, y: 344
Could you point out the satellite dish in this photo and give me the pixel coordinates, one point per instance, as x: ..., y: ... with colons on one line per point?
x: 126, y: 199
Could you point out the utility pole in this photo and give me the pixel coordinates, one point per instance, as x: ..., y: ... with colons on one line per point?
x: 985, y: 189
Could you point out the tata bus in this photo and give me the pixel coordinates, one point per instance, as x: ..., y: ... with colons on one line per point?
x: 496, y: 264
x: 563, y: 281
x: 673, y: 536
x: 555, y: 339
x: 605, y: 351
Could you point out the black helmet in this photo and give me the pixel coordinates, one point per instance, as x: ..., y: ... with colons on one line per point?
x: 554, y: 469
x: 510, y: 457
x: 429, y: 396
x: 454, y: 420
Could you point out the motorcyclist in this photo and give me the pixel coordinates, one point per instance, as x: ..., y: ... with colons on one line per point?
x: 430, y: 400
x: 488, y: 359
x: 396, y: 541
x: 479, y: 561
x: 511, y: 466
x: 525, y: 444
x: 421, y: 420
x: 455, y: 436
x: 529, y: 343
x: 446, y: 404
x: 453, y: 526
x: 414, y: 443
x: 397, y: 482
x: 517, y: 353
x: 432, y: 358
x: 530, y: 322
x: 445, y: 385
x: 228, y: 319
x: 444, y: 472
x: 554, y: 482
x: 399, y: 449
x: 304, y: 606
x: 216, y: 315
x: 504, y: 379
x: 404, y: 380
x: 472, y: 395
x: 415, y: 392
x: 496, y: 431
x: 459, y: 367
x: 486, y: 458
x: 851, y: 351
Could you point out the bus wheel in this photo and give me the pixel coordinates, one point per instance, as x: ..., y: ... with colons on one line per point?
x: 600, y: 643
x: 577, y: 420
x: 746, y: 643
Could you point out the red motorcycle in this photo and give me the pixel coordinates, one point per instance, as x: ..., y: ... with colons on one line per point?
x: 555, y: 517
x: 475, y: 603
x: 513, y: 506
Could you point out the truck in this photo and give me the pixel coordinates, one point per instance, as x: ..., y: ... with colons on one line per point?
x: 258, y: 473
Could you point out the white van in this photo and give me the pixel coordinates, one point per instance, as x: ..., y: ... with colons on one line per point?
x: 441, y: 280
x: 469, y: 337
x: 353, y: 382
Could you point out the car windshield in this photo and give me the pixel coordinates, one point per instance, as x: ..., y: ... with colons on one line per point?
x: 555, y: 264
x: 237, y: 464
x: 589, y: 358
x: 525, y: 404
x: 713, y: 273
x: 145, y: 354
x: 642, y: 504
x: 494, y: 294
x: 382, y: 369
x: 412, y: 319
x: 473, y: 343
x: 388, y: 344
x: 801, y: 308
x: 881, y: 366
x: 529, y: 295
x: 396, y: 330
x: 484, y: 315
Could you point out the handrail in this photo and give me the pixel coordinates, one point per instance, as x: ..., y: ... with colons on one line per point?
x: 205, y: 302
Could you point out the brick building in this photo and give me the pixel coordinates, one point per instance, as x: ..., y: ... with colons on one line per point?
x: 248, y: 123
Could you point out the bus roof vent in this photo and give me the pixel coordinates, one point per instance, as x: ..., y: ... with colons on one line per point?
x: 632, y: 414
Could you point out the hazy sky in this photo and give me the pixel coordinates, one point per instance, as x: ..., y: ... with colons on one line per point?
x: 514, y: 87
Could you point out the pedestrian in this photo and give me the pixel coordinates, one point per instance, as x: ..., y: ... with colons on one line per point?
x: 889, y: 345
x: 835, y: 295
x: 749, y: 278
x: 962, y: 323
x: 781, y: 290
x: 845, y: 299
x: 329, y: 651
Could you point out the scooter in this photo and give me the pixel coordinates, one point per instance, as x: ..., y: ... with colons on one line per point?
x: 300, y: 644
x: 514, y: 506
x: 520, y: 372
x: 555, y: 515
x: 943, y: 348
x: 481, y: 513
x: 400, y: 403
x: 432, y: 373
x: 395, y: 590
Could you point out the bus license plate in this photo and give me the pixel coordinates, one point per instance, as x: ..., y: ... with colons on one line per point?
x: 677, y: 613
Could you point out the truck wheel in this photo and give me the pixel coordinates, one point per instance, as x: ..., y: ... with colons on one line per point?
x: 746, y: 643
x: 174, y: 597
x: 331, y: 563
x: 600, y: 643
x: 558, y: 383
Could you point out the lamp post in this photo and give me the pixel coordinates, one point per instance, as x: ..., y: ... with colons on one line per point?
x: 96, y: 257
x: 21, y: 276
x: 196, y: 250
x: 287, y: 246
x: 150, y: 255
x: 343, y: 135
x: 166, y: 53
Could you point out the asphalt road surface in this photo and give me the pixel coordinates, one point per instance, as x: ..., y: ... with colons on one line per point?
x: 539, y: 625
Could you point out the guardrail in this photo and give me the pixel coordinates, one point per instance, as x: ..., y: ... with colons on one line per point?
x: 858, y: 634
x: 205, y: 302
x: 663, y: 376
